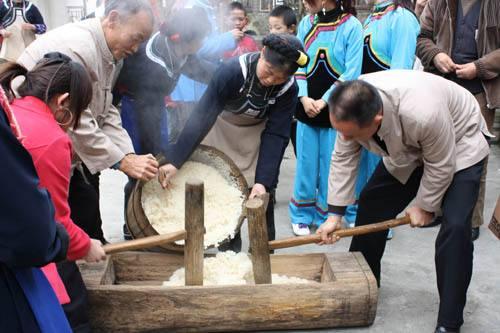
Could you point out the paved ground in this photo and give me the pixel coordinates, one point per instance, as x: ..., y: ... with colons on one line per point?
x: 408, y: 299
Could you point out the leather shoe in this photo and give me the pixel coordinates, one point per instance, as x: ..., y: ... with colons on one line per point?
x: 475, y: 233
x: 442, y: 329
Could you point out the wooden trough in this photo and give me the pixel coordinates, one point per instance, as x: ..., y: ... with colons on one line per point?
x: 126, y: 295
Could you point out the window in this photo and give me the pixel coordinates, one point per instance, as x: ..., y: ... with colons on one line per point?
x: 266, y: 5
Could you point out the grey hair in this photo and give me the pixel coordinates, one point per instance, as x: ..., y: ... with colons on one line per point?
x: 128, y: 8
x: 356, y: 101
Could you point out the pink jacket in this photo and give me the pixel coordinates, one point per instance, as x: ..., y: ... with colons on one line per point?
x: 50, y: 148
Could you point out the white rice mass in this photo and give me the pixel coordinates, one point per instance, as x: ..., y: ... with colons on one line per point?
x: 228, y: 268
x: 223, y: 203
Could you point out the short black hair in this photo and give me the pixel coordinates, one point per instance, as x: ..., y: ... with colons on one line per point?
x: 356, y: 101
x: 235, y: 5
x: 286, y: 13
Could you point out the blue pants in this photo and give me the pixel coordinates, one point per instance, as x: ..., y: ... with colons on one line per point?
x: 367, y: 166
x: 314, y: 150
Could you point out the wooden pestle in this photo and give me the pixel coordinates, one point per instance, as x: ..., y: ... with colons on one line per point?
x: 144, y: 243
x: 195, y: 231
x: 356, y: 231
x: 257, y: 233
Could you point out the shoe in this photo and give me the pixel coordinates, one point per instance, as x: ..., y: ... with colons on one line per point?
x: 390, y: 234
x: 442, y: 329
x: 475, y: 233
x: 301, y: 229
x: 126, y: 233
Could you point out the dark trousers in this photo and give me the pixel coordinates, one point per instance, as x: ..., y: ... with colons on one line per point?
x: 293, y: 136
x: 235, y: 243
x: 384, y: 197
x: 84, y: 203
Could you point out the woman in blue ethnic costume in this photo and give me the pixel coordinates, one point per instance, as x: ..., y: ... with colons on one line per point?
x: 332, y: 38
x: 390, y: 37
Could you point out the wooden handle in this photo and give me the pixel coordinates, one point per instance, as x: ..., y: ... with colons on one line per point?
x: 363, y: 230
x: 144, y: 243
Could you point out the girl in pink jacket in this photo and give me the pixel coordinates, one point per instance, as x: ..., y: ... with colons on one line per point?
x: 52, y: 97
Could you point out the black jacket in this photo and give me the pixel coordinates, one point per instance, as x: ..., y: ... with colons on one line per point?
x: 147, y: 78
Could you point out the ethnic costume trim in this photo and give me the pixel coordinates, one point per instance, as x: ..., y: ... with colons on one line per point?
x: 378, y: 14
x: 321, y: 27
x: 372, y: 58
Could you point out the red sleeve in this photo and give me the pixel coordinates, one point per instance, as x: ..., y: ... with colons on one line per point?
x: 248, y: 45
x: 54, y: 167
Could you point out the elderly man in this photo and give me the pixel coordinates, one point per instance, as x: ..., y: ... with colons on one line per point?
x: 100, y: 142
x: 431, y: 135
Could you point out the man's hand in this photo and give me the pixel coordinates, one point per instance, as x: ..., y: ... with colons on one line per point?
x: 419, y: 7
x: 257, y: 191
x: 309, y: 106
x: 96, y: 252
x: 419, y: 217
x: 333, y: 223
x: 143, y: 167
x: 237, y: 34
x: 165, y: 174
x: 28, y: 26
x: 467, y: 71
x: 444, y: 63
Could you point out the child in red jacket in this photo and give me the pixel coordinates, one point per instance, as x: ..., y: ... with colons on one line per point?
x: 238, y: 20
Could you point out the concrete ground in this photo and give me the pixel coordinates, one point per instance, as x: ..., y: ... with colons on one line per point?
x: 408, y: 299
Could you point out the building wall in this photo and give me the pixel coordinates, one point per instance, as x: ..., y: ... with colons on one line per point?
x: 57, y: 12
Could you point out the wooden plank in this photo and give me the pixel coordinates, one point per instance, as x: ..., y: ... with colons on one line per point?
x: 305, y: 266
x: 195, y: 229
x: 327, y: 273
x: 97, y: 273
x: 353, y: 267
x: 257, y: 233
x: 144, y: 266
x: 371, y: 284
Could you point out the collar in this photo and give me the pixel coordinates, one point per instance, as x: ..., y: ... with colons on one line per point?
x: 329, y: 16
x: 158, y: 51
x: 380, y: 7
x: 389, y: 110
x: 98, y: 32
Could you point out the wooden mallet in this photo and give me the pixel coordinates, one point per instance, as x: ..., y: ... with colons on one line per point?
x: 144, y: 243
x: 356, y: 231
